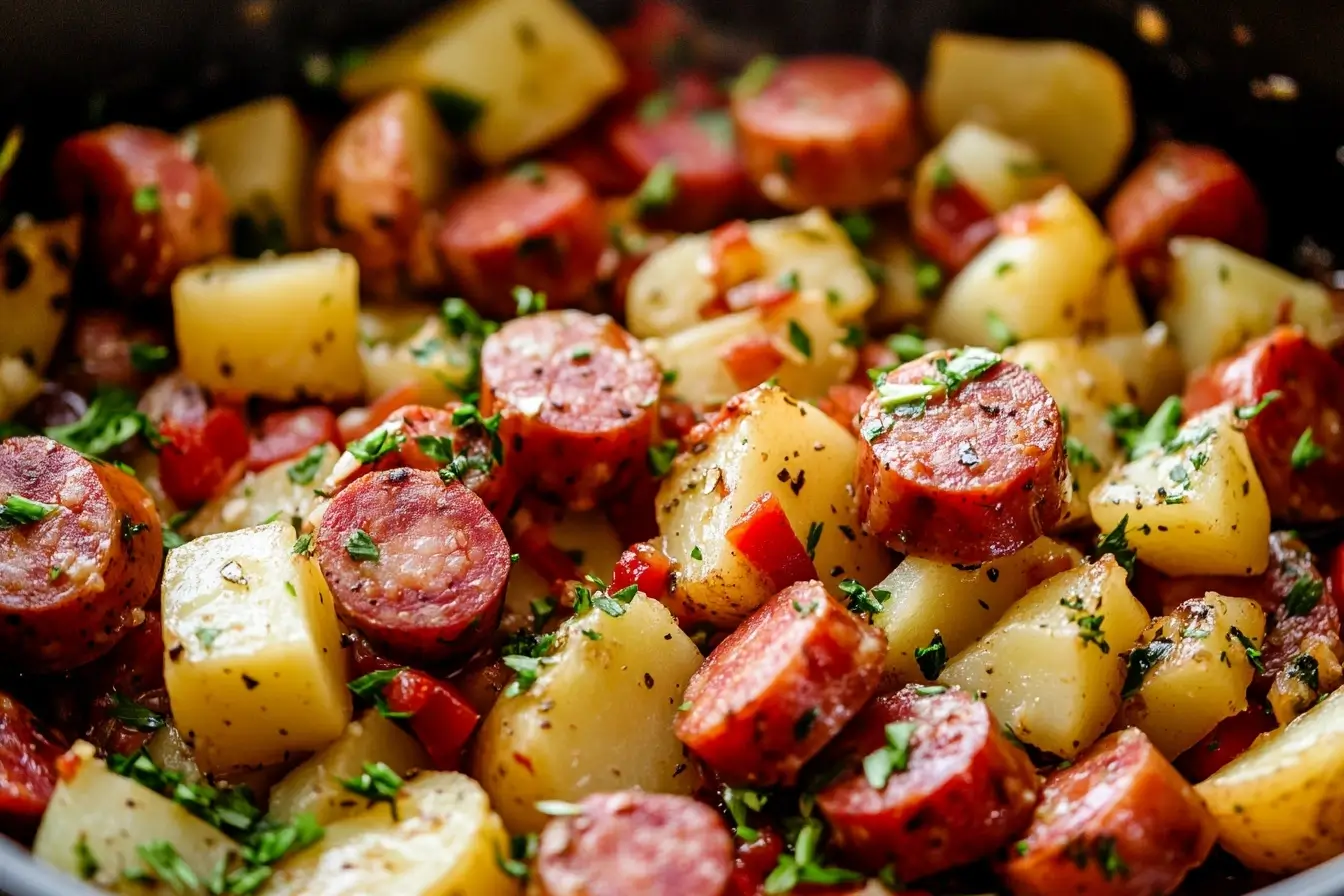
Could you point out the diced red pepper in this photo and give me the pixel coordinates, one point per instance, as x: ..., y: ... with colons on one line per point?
x: 441, y: 718
x: 291, y: 434
x: 766, y: 539
x: 754, y: 862
x: 202, y: 457
x: 1231, y: 738
x: 531, y: 535
x: 357, y: 423
x: 751, y: 360
x: 1336, y: 578
x: 762, y: 294
x: 952, y: 226
x: 644, y: 565
x: 733, y: 257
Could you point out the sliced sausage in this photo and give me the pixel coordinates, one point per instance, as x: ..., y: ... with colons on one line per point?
x: 539, y: 226
x: 151, y: 209
x: 286, y: 435
x: 374, y: 184
x: 578, y: 397
x: 102, y: 340
x: 1182, y: 190
x: 826, y: 130
x: 1307, y: 379
x: 630, y: 842
x: 28, y: 755
x: 967, y: 473
x: 964, y: 793
x: 781, y: 686
x: 1120, y: 821
x: 951, y: 224
x: 709, y: 181
x: 417, y: 564
x: 1228, y: 740
x: 72, y: 583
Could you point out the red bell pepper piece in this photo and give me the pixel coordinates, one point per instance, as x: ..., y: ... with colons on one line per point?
x: 441, y: 718
x: 1232, y: 737
x: 201, y: 457
x: 287, y: 435
x: 766, y: 539
x: 751, y: 360
x: 645, y: 566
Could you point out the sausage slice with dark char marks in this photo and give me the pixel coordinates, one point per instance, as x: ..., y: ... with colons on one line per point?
x: 72, y: 583
x: 826, y: 130
x: 539, y: 226
x: 778, y: 688
x: 28, y: 757
x: 965, y: 791
x: 578, y: 397
x: 961, y: 467
x: 1119, y: 822
x: 430, y: 587
x: 632, y: 842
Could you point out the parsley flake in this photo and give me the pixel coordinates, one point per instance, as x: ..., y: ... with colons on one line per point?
x: 932, y: 658
x: 361, y: 547
x: 19, y: 511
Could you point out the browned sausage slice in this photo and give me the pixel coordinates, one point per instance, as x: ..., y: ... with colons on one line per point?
x: 72, y: 582
x: 417, y: 564
x: 27, y: 768
x: 578, y: 396
x: 1118, y: 821
x: 539, y: 226
x: 965, y: 790
x: 631, y: 842
x: 781, y: 686
x: 962, y: 458
x: 825, y: 130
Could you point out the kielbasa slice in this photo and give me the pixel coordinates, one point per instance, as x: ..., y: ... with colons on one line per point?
x: 781, y: 686
x: 629, y: 842
x: 417, y: 564
x: 825, y: 130
x: 1182, y: 190
x: 962, y: 458
x: 72, y: 583
x: 28, y: 757
x: 1120, y: 821
x: 578, y: 397
x: 1307, y: 379
x: 151, y: 209
x: 951, y: 224
x: 965, y: 790
x: 539, y: 226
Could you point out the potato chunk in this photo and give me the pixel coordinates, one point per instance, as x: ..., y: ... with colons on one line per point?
x: 281, y: 491
x: 1069, y: 101
x: 556, y: 741
x: 18, y: 386
x: 534, y: 68
x: 428, y: 356
x: 1220, y: 297
x: 1277, y: 804
x: 767, y: 442
x: 38, y: 262
x: 99, y: 814
x: 1052, y: 273
x: 1053, y: 667
x: 261, y: 154
x: 959, y: 605
x: 1191, y: 671
x: 315, y: 786
x: 280, y: 328
x: 254, y: 665
x: 1196, y: 505
x: 668, y: 290
x: 444, y: 841
x: 1150, y: 362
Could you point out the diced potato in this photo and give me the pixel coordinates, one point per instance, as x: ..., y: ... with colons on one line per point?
x: 261, y: 154
x: 899, y: 297
x: 444, y: 841
x: 808, y: 367
x: 171, y: 752
x: 1085, y: 384
x: 315, y: 786
x: 281, y: 328
x: 557, y: 741
x: 1197, y: 509
x: 1053, y: 667
x: 38, y: 260
x: 999, y: 170
x: 1277, y: 805
x: 587, y: 537
x: 1151, y: 365
x: 1054, y: 276
x: 260, y: 497
x: 536, y: 67
x: 929, y: 598
x: 430, y: 357
x: 1220, y: 297
x: 1068, y: 100
x: 254, y: 667
x: 668, y: 290
x: 111, y: 817
x: 1197, y: 674
x: 18, y: 386
x: 770, y: 443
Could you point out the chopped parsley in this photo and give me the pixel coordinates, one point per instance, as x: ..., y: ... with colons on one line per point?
x: 1079, y: 454
x: 522, y: 849
x: 998, y: 330
x: 799, y: 339
x: 376, y: 445
x: 371, y: 688
x: 813, y: 538
x: 148, y: 358
x: 861, y: 599
x: 928, y: 277
x: 659, y: 189
x: 789, y: 280
x: 907, y: 346
x: 1252, y: 652
x: 526, y: 301
x: 1304, y: 595
x: 303, y: 544
x: 532, y: 172
x: 859, y: 228
x: 756, y: 75
x: 85, y: 860
x: 932, y: 658
x: 111, y: 420
x: 951, y: 373
x: 1117, y: 545
x: 133, y: 715
x: 207, y: 636
x: 1306, y: 452
x: 304, y: 470
x: 1250, y: 412
x: 164, y: 864
x: 894, y: 756
x: 526, y: 654
x: 696, y: 553
x: 378, y: 783
x: 457, y: 111
x: 661, y: 457
x: 20, y: 511
x: 1157, y: 432
x: 1141, y: 661
x: 145, y: 199
x: 942, y: 176
x: 740, y: 802
x: 361, y: 547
